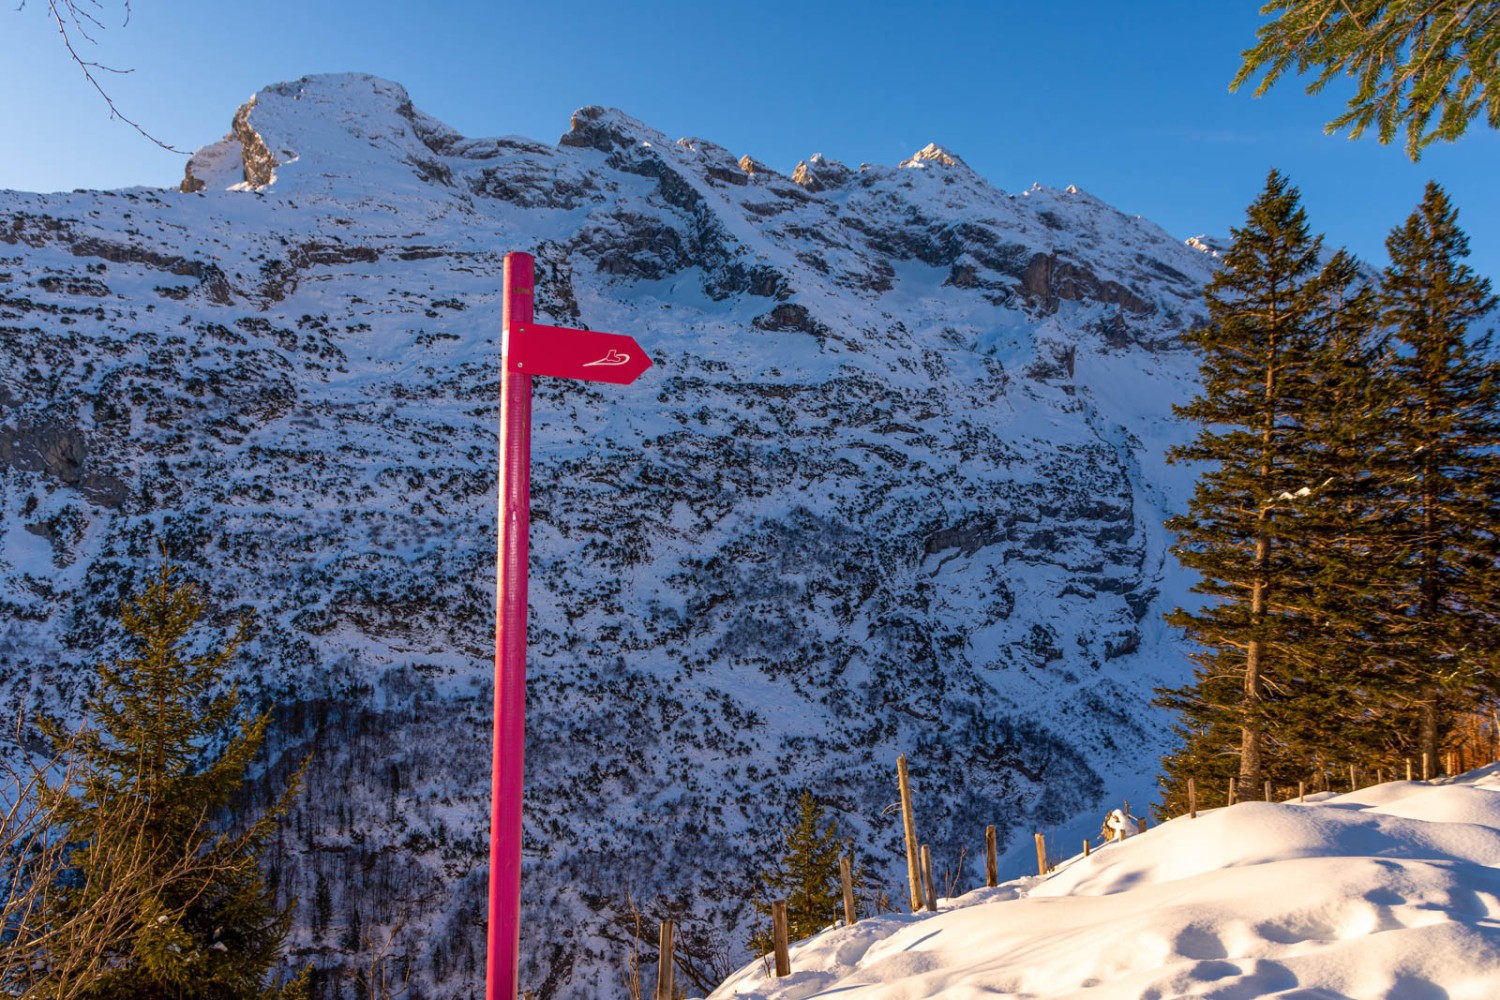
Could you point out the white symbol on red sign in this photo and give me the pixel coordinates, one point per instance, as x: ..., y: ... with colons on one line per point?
x: 614, y: 357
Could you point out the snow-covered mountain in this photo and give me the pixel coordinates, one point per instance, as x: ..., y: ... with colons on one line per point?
x: 894, y: 484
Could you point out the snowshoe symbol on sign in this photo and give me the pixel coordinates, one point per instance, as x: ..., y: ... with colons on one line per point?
x: 614, y: 357
x: 584, y: 354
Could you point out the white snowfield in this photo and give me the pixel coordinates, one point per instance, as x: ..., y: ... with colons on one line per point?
x: 1391, y: 892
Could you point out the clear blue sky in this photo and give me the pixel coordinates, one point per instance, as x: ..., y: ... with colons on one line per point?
x: 1126, y: 100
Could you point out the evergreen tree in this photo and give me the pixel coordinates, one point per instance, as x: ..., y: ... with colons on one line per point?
x: 806, y: 875
x: 322, y: 907
x: 209, y: 928
x: 1258, y: 362
x: 1439, y: 509
x: 1344, y: 523
x: 1410, y: 61
x: 1325, y: 710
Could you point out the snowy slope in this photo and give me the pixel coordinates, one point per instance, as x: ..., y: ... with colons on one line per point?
x: 893, y: 485
x: 1390, y: 892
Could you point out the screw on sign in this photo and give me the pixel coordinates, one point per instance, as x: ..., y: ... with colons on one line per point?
x: 526, y: 349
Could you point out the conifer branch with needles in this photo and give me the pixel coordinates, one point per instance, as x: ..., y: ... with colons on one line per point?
x: 1410, y: 60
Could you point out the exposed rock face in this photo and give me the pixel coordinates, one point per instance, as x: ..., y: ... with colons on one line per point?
x: 61, y: 454
x: 1048, y: 281
x: 817, y: 174
x: 241, y: 157
x: 893, y: 485
x: 260, y: 165
x: 58, y: 451
x: 606, y: 130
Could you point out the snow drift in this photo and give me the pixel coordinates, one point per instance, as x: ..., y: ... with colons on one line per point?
x: 1390, y: 892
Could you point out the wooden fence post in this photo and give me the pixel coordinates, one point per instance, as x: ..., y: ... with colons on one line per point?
x: 779, y: 938
x: 1041, y: 854
x: 909, y: 822
x: 1302, y: 793
x: 1267, y: 797
x: 846, y: 875
x: 1233, y: 787
x: 1353, y: 779
x: 1192, y: 799
x: 1408, y: 769
x: 928, y: 892
x: 1426, y: 766
x: 991, y: 858
x: 665, y: 988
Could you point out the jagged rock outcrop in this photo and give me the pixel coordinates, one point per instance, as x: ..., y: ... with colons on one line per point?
x: 817, y: 174
x: 58, y: 451
x: 893, y: 485
x: 212, y: 164
x: 1048, y: 281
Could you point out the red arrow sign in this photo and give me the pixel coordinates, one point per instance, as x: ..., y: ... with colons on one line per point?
x: 532, y: 349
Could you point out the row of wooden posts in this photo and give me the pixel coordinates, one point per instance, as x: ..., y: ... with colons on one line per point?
x: 919, y: 865
x: 1233, y: 793
x: 919, y: 873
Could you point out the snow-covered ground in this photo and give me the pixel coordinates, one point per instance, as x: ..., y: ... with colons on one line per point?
x: 1391, y: 892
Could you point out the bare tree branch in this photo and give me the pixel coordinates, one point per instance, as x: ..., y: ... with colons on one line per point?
x: 77, y: 21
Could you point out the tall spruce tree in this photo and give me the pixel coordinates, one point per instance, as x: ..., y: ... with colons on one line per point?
x: 1258, y: 353
x: 1439, y: 510
x: 1324, y: 604
x: 208, y: 928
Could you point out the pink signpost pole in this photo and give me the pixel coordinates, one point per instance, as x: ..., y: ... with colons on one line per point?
x: 526, y: 349
x: 507, y: 764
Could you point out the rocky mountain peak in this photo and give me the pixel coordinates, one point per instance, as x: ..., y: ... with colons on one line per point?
x: 1214, y: 246
x: 932, y: 153
x: 608, y: 129
x: 309, y: 134
x: 817, y: 173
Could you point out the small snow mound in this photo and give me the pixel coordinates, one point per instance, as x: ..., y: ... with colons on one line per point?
x: 1118, y: 825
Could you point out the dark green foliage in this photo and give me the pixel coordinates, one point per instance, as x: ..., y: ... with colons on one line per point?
x: 1258, y: 354
x: 1410, y: 60
x: 806, y: 875
x: 1325, y: 601
x: 209, y: 927
x: 322, y: 906
x: 1439, y: 508
x: 353, y: 940
x: 1343, y: 524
